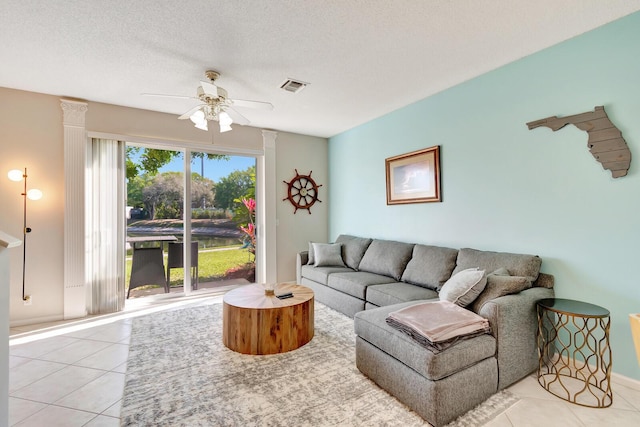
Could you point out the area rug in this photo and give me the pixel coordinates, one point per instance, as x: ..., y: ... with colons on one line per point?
x: 180, y: 374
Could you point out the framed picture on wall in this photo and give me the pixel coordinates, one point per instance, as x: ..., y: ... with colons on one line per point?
x: 414, y: 177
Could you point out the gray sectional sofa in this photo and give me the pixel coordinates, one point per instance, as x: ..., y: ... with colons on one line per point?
x: 369, y: 278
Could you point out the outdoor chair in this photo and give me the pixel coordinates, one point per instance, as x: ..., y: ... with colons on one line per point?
x: 147, y: 269
x: 175, y: 260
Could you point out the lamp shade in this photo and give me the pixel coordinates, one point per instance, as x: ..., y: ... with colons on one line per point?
x: 34, y: 194
x: 225, y: 121
x: 15, y: 175
x: 197, y: 117
x: 202, y: 125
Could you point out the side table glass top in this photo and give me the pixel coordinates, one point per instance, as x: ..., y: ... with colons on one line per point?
x: 573, y: 307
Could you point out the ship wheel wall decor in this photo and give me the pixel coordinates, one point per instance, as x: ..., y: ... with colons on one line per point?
x: 302, y: 192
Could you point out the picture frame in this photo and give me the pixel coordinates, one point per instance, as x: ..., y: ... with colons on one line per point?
x: 414, y: 177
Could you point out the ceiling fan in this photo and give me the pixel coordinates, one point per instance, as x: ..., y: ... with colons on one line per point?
x: 215, y: 104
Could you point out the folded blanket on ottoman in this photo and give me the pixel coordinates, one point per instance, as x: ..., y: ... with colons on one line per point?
x: 438, y: 325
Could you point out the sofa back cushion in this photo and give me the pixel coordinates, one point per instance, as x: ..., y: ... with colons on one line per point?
x: 430, y: 266
x: 386, y: 257
x: 353, y: 249
x: 516, y: 264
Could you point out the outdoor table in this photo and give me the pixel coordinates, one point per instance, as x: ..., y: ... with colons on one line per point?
x: 147, y: 264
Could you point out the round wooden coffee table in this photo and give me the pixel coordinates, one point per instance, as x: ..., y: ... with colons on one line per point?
x: 256, y: 323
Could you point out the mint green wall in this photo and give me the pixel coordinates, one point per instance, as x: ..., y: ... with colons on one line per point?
x: 506, y: 188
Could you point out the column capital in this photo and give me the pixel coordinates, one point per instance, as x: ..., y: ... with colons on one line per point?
x: 269, y: 138
x: 73, y: 112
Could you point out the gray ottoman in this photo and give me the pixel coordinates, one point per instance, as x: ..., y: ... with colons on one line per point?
x: 439, y: 387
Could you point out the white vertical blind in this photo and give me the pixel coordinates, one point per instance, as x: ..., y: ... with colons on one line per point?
x: 106, y: 227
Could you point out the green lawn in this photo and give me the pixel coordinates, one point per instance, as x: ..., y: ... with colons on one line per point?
x: 212, y: 265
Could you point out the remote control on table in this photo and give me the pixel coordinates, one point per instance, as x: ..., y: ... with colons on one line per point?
x: 284, y: 296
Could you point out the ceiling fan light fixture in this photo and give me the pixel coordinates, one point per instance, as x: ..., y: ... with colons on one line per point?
x: 214, y: 103
x: 200, y: 120
x: 198, y: 117
x: 202, y: 125
x: 225, y: 121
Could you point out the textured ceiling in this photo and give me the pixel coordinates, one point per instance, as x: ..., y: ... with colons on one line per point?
x: 363, y: 58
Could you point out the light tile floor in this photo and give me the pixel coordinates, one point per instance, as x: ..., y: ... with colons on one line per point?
x: 73, y: 375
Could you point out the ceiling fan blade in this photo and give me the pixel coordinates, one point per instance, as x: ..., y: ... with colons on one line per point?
x: 260, y: 105
x: 237, y: 117
x: 168, y: 96
x: 209, y: 88
x: 190, y: 112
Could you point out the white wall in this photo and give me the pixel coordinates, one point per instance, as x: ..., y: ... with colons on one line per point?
x: 31, y: 135
x: 306, y: 154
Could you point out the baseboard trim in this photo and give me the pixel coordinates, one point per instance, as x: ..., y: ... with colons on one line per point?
x: 625, y: 381
x: 618, y: 378
x: 34, y: 320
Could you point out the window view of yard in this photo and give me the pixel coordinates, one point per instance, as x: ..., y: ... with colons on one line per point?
x: 222, y: 216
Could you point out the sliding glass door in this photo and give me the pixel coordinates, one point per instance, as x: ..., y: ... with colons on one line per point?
x: 200, y: 210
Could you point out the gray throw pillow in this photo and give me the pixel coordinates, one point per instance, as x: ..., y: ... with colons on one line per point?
x: 498, y: 286
x: 312, y: 258
x: 328, y: 255
x: 464, y: 287
x: 499, y: 272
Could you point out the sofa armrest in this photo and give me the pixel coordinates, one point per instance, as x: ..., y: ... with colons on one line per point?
x: 544, y: 281
x: 301, y: 259
x: 514, y: 324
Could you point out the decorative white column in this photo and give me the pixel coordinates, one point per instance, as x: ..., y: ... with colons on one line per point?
x: 75, y: 165
x: 266, y: 271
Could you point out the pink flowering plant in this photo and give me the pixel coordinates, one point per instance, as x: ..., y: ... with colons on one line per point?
x: 249, y: 230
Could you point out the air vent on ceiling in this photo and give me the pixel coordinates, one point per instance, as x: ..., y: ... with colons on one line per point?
x: 291, y: 85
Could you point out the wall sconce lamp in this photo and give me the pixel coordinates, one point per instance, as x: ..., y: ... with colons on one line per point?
x: 33, y: 194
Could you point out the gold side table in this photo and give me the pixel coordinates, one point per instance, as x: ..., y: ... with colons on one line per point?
x: 574, y: 352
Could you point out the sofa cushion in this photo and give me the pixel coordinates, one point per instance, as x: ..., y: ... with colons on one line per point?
x: 355, y: 283
x: 498, y: 286
x: 321, y: 274
x: 371, y: 326
x: 516, y: 264
x: 386, y: 257
x: 430, y: 266
x: 328, y: 255
x: 464, y: 287
x: 394, y: 293
x: 353, y: 249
